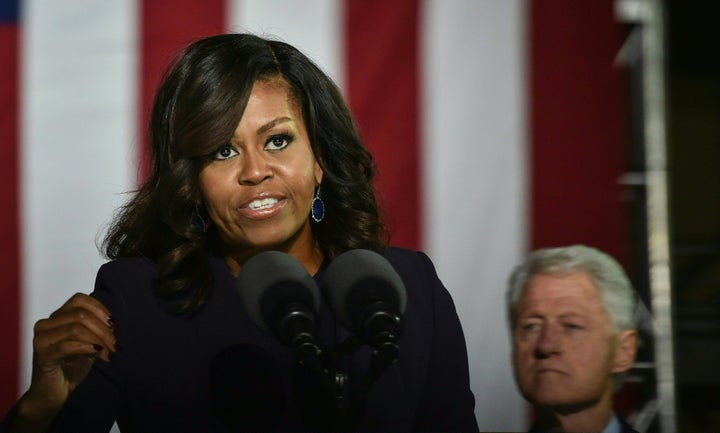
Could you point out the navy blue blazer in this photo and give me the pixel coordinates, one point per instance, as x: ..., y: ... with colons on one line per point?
x: 218, y: 372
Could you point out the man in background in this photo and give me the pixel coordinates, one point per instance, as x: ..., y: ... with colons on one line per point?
x: 572, y: 314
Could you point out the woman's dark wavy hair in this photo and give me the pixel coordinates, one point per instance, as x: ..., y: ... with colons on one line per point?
x: 196, y: 110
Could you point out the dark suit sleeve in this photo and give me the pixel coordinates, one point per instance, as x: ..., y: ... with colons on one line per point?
x: 446, y: 403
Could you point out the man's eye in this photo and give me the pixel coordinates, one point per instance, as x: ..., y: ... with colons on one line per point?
x: 572, y: 326
x: 530, y: 327
x: 224, y: 153
x: 278, y: 142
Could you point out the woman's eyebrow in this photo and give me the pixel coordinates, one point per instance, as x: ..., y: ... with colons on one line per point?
x: 271, y: 124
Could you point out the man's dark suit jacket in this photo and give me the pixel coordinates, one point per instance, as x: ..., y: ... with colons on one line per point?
x: 218, y: 372
x: 624, y: 427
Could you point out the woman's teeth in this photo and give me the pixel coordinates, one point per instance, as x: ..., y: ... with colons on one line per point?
x: 262, y: 204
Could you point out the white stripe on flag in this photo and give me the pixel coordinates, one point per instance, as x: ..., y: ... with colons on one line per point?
x: 474, y: 180
x: 312, y: 26
x: 78, y: 139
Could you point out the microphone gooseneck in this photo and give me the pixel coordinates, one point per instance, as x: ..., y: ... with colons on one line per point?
x: 368, y: 297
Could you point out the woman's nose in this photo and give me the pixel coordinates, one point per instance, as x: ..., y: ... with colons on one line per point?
x: 254, y: 168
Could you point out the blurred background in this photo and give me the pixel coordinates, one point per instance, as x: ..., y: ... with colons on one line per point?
x: 694, y: 158
x: 498, y: 127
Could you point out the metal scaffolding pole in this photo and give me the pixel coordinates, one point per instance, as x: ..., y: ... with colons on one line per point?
x: 649, y: 14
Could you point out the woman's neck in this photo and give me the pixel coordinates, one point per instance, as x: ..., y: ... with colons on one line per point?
x: 311, y: 258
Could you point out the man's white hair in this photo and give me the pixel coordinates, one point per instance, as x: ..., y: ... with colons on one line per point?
x: 616, y: 293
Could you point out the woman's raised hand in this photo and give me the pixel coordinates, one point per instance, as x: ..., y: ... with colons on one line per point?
x: 65, y: 345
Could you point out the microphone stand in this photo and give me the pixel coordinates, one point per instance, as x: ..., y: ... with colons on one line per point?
x: 382, y: 325
x: 337, y: 408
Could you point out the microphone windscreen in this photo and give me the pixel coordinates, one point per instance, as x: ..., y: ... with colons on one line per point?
x: 271, y: 279
x: 358, y: 278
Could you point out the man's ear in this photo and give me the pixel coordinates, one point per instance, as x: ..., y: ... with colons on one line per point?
x: 625, y: 350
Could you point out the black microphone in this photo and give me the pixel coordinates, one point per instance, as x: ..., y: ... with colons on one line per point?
x: 281, y: 297
x: 367, y: 296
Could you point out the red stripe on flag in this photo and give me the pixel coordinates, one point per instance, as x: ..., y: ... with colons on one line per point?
x: 166, y: 27
x: 383, y: 92
x: 576, y: 125
x: 9, y: 226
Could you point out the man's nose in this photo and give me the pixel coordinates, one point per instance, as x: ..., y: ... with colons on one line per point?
x: 548, y: 342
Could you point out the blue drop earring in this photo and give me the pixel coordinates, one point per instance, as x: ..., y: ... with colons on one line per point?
x: 317, y: 210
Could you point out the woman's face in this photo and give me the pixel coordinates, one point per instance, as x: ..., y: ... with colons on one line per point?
x: 258, y: 188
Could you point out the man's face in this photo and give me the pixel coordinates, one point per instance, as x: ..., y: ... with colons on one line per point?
x: 564, y: 347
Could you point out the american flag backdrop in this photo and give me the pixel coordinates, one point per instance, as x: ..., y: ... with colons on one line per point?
x: 497, y: 126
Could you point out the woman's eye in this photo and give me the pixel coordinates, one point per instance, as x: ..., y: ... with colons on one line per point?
x: 224, y: 153
x: 278, y: 142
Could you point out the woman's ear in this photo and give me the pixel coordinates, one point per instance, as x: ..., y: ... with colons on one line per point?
x: 625, y: 350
